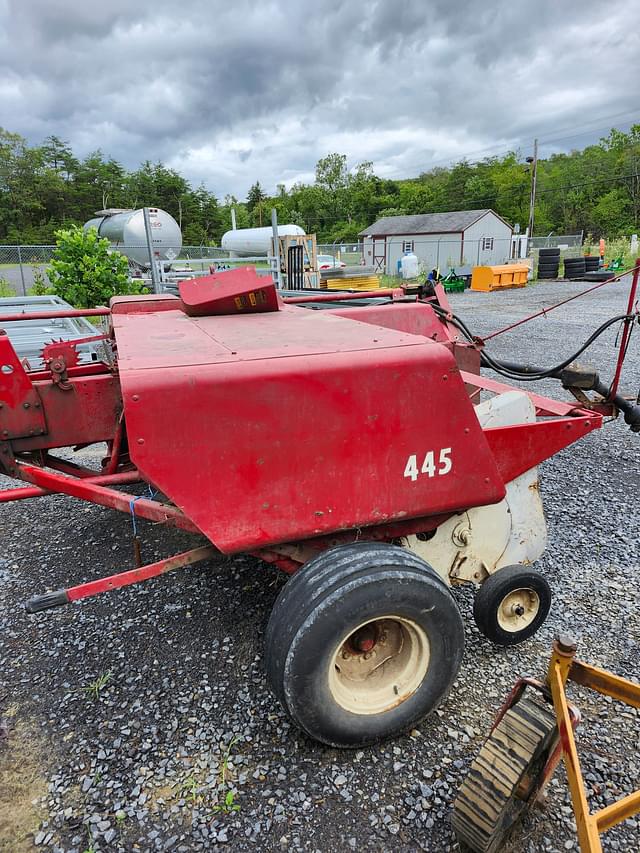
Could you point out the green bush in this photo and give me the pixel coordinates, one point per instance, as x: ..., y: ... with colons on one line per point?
x: 40, y: 285
x: 84, y: 271
x: 5, y: 288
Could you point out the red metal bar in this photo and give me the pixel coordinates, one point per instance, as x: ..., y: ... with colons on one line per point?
x: 144, y: 507
x: 395, y: 293
x: 626, y: 331
x: 53, y: 315
x: 103, y: 337
x: 152, y: 570
x: 285, y: 564
x: 544, y: 405
x: 557, y: 305
x: 66, y: 467
x: 114, y: 457
x: 22, y: 493
x: 92, y: 368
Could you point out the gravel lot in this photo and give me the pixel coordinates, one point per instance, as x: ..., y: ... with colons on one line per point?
x: 126, y: 719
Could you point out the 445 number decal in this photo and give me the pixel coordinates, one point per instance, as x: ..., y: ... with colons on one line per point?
x: 431, y: 466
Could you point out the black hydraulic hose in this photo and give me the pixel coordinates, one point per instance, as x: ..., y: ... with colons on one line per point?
x: 530, y: 373
x: 630, y: 410
x: 525, y: 372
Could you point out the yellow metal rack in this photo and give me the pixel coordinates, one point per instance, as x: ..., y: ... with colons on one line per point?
x: 529, y: 738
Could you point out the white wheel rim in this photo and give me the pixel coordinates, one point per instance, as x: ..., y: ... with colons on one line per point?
x: 518, y: 610
x: 379, y: 665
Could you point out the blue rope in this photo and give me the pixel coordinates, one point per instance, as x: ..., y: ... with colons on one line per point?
x: 132, y: 507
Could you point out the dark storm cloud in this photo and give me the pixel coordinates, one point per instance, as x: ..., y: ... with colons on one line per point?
x: 232, y: 92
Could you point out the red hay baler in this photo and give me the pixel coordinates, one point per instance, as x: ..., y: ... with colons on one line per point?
x: 349, y: 447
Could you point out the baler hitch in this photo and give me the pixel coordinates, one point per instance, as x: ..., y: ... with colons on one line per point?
x: 578, y: 379
x: 58, y: 597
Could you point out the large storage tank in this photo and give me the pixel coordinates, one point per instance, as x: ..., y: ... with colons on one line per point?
x: 255, y: 242
x: 125, y: 231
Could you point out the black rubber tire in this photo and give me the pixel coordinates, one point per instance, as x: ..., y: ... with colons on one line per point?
x: 329, y: 597
x: 548, y: 268
x: 493, y: 591
x: 502, y: 781
x: 549, y: 253
x: 591, y: 263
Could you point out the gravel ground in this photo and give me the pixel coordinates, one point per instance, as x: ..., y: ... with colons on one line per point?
x: 141, y: 720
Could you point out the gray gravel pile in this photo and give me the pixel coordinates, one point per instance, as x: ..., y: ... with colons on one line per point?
x: 147, y: 711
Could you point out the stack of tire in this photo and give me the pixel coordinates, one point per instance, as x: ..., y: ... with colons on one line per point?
x: 592, y: 263
x: 548, y: 263
x: 574, y: 268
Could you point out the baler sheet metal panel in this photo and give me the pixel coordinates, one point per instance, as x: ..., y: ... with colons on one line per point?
x: 278, y: 427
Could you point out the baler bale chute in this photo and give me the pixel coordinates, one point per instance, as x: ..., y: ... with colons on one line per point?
x: 348, y: 447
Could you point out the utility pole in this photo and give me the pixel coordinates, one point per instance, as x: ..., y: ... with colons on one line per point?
x: 275, y: 258
x: 155, y: 281
x: 534, y: 174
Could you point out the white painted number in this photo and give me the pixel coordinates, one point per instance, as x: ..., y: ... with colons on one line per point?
x: 411, y: 469
x: 428, y: 466
x: 445, y: 460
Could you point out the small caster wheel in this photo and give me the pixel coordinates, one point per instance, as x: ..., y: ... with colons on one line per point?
x: 511, y: 605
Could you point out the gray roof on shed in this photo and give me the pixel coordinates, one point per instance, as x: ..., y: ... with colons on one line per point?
x: 427, y: 223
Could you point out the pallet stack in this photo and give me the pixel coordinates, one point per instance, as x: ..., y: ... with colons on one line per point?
x: 356, y: 278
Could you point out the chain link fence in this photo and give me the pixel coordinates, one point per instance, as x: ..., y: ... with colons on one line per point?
x: 446, y: 253
x: 350, y: 254
x: 23, y: 267
x: 557, y: 241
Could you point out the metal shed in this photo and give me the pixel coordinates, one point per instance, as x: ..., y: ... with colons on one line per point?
x: 460, y: 239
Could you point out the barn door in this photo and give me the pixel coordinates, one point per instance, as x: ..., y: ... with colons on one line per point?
x: 379, y: 254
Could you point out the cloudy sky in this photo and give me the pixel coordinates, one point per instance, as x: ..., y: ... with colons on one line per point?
x: 230, y: 92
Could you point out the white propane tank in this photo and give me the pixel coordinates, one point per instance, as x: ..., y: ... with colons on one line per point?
x: 125, y: 231
x: 255, y: 242
x: 410, y: 265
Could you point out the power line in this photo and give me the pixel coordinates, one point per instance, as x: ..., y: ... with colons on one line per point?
x: 634, y: 113
x: 458, y: 158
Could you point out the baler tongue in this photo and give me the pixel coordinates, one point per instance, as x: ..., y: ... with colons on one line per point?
x: 240, y: 291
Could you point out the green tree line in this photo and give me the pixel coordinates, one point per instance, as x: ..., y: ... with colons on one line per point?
x: 595, y: 190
